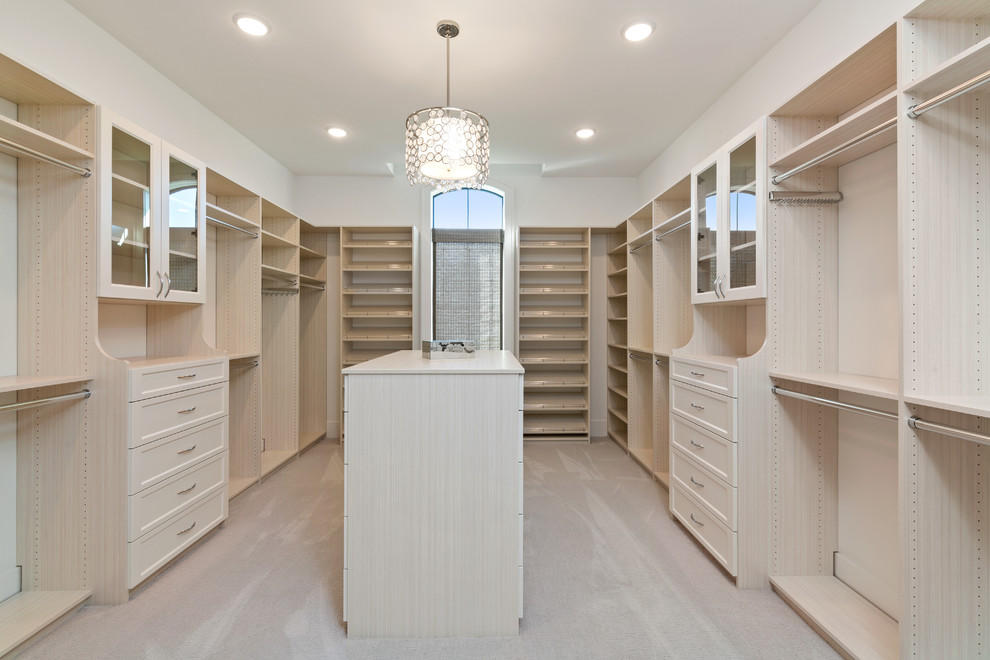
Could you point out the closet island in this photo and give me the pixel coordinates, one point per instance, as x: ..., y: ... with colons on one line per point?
x: 433, y: 496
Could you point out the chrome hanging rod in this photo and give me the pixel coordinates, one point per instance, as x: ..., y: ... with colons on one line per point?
x: 24, y: 405
x: 671, y: 231
x: 312, y: 286
x: 872, y: 412
x: 849, y: 144
x: 920, y: 424
x: 230, y: 226
x: 85, y: 172
x: 283, y: 292
x: 244, y: 365
x: 788, y: 197
x: 278, y: 278
x: 916, y: 111
x: 637, y: 357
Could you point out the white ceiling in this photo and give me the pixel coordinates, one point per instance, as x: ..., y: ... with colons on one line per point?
x: 537, y: 69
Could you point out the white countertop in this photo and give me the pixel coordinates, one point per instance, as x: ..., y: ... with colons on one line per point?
x: 413, y: 362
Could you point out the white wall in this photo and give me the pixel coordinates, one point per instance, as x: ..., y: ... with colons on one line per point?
x: 9, y: 575
x: 831, y: 32
x: 54, y: 39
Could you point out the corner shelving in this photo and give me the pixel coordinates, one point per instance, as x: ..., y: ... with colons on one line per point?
x: 554, y: 286
x: 617, y: 297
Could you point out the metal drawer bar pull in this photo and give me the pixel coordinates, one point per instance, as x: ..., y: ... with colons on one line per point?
x: 186, y: 376
x: 696, y: 521
x: 187, y: 529
x: 699, y: 374
x: 187, y: 410
x: 183, y: 492
x: 697, y: 445
x: 186, y: 451
x: 834, y: 404
x: 696, y: 483
x: 695, y: 405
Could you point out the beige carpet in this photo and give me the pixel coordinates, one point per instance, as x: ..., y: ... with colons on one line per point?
x: 608, y: 575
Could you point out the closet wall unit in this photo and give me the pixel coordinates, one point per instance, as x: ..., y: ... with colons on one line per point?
x: 617, y: 346
x: 833, y: 218
x: 639, y: 335
x: 554, y: 308
x: 377, y: 304
x: 56, y: 444
x: 945, y: 381
x: 313, y: 329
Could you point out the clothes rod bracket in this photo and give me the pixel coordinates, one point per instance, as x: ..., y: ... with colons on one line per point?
x: 244, y: 365
x: 840, y: 405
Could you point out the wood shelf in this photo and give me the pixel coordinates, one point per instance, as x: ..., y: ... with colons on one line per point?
x: 619, y: 271
x: 618, y: 249
x: 215, y: 213
x: 663, y: 478
x: 542, y: 379
x: 559, y: 289
x: 555, y: 334
x: 978, y: 405
x: 621, y: 413
x: 618, y: 437
x: 369, y: 311
x: 376, y: 244
x: 383, y: 290
x: 32, y: 138
x: 269, y: 239
x: 306, y: 440
x: 307, y: 253
x: 953, y: 72
x: 272, y: 460
x: 551, y: 311
x: 377, y: 266
x: 885, y: 388
x: 315, y: 281
x: 552, y: 244
x: 553, y: 267
x: 277, y: 273
x: 553, y: 356
x: 555, y: 401
x: 621, y: 391
x: 27, y: 613
x: 20, y: 383
x: 237, y: 485
x: 377, y: 334
x: 128, y: 192
x: 850, y: 623
x: 554, y: 424
x: 643, y: 456
x: 674, y: 220
x: 354, y: 357
x: 869, y: 117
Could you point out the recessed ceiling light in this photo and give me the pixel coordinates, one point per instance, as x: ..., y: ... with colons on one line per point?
x: 336, y: 132
x: 252, y: 25
x: 638, y: 31
x: 585, y: 133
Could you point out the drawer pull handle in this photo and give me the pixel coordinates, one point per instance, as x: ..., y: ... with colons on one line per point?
x: 186, y: 451
x: 697, y: 445
x: 699, y: 374
x: 187, y: 529
x: 695, y: 405
x: 186, y: 376
x: 183, y: 492
x: 189, y: 410
x: 696, y: 483
x: 693, y: 519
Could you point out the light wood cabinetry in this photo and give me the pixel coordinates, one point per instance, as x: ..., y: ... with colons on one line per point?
x: 56, y: 444
x: 727, y: 193
x: 152, y: 232
x: 944, y: 520
x: 177, y: 458
x: 554, y: 327
x: 312, y: 334
x: 834, y: 496
x: 617, y: 318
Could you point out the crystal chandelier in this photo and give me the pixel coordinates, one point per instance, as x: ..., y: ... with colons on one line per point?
x: 447, y: 148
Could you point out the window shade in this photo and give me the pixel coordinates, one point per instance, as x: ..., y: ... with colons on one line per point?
x: 467, y: 286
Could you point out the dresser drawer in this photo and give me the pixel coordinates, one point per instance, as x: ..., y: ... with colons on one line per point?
x: 164, y: 458
x: 146, y: 382
x: 153, y: 506
x: 720, y: 378
x: 711, y: 491
x: 711, y: 451
x: 153, y: 550
x: 156, y: 418
x: 710, y: 411
x: 718, y: 539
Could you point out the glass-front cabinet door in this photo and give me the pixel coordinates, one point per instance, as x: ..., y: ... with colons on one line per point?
x: 151, y: 217
x: 728, y: 193
x: 183, y: 215
x: 706, y: 237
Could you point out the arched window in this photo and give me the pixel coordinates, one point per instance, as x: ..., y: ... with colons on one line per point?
x: 468, y: 236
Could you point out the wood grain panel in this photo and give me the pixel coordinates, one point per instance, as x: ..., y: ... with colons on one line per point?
x: 280, y: 372
x: 433, y: 510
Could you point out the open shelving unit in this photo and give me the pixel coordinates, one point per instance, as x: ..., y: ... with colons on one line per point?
x: 617, y: 296
x: 313, y: 330
x: 835, y: 548
x: 553, y: 332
